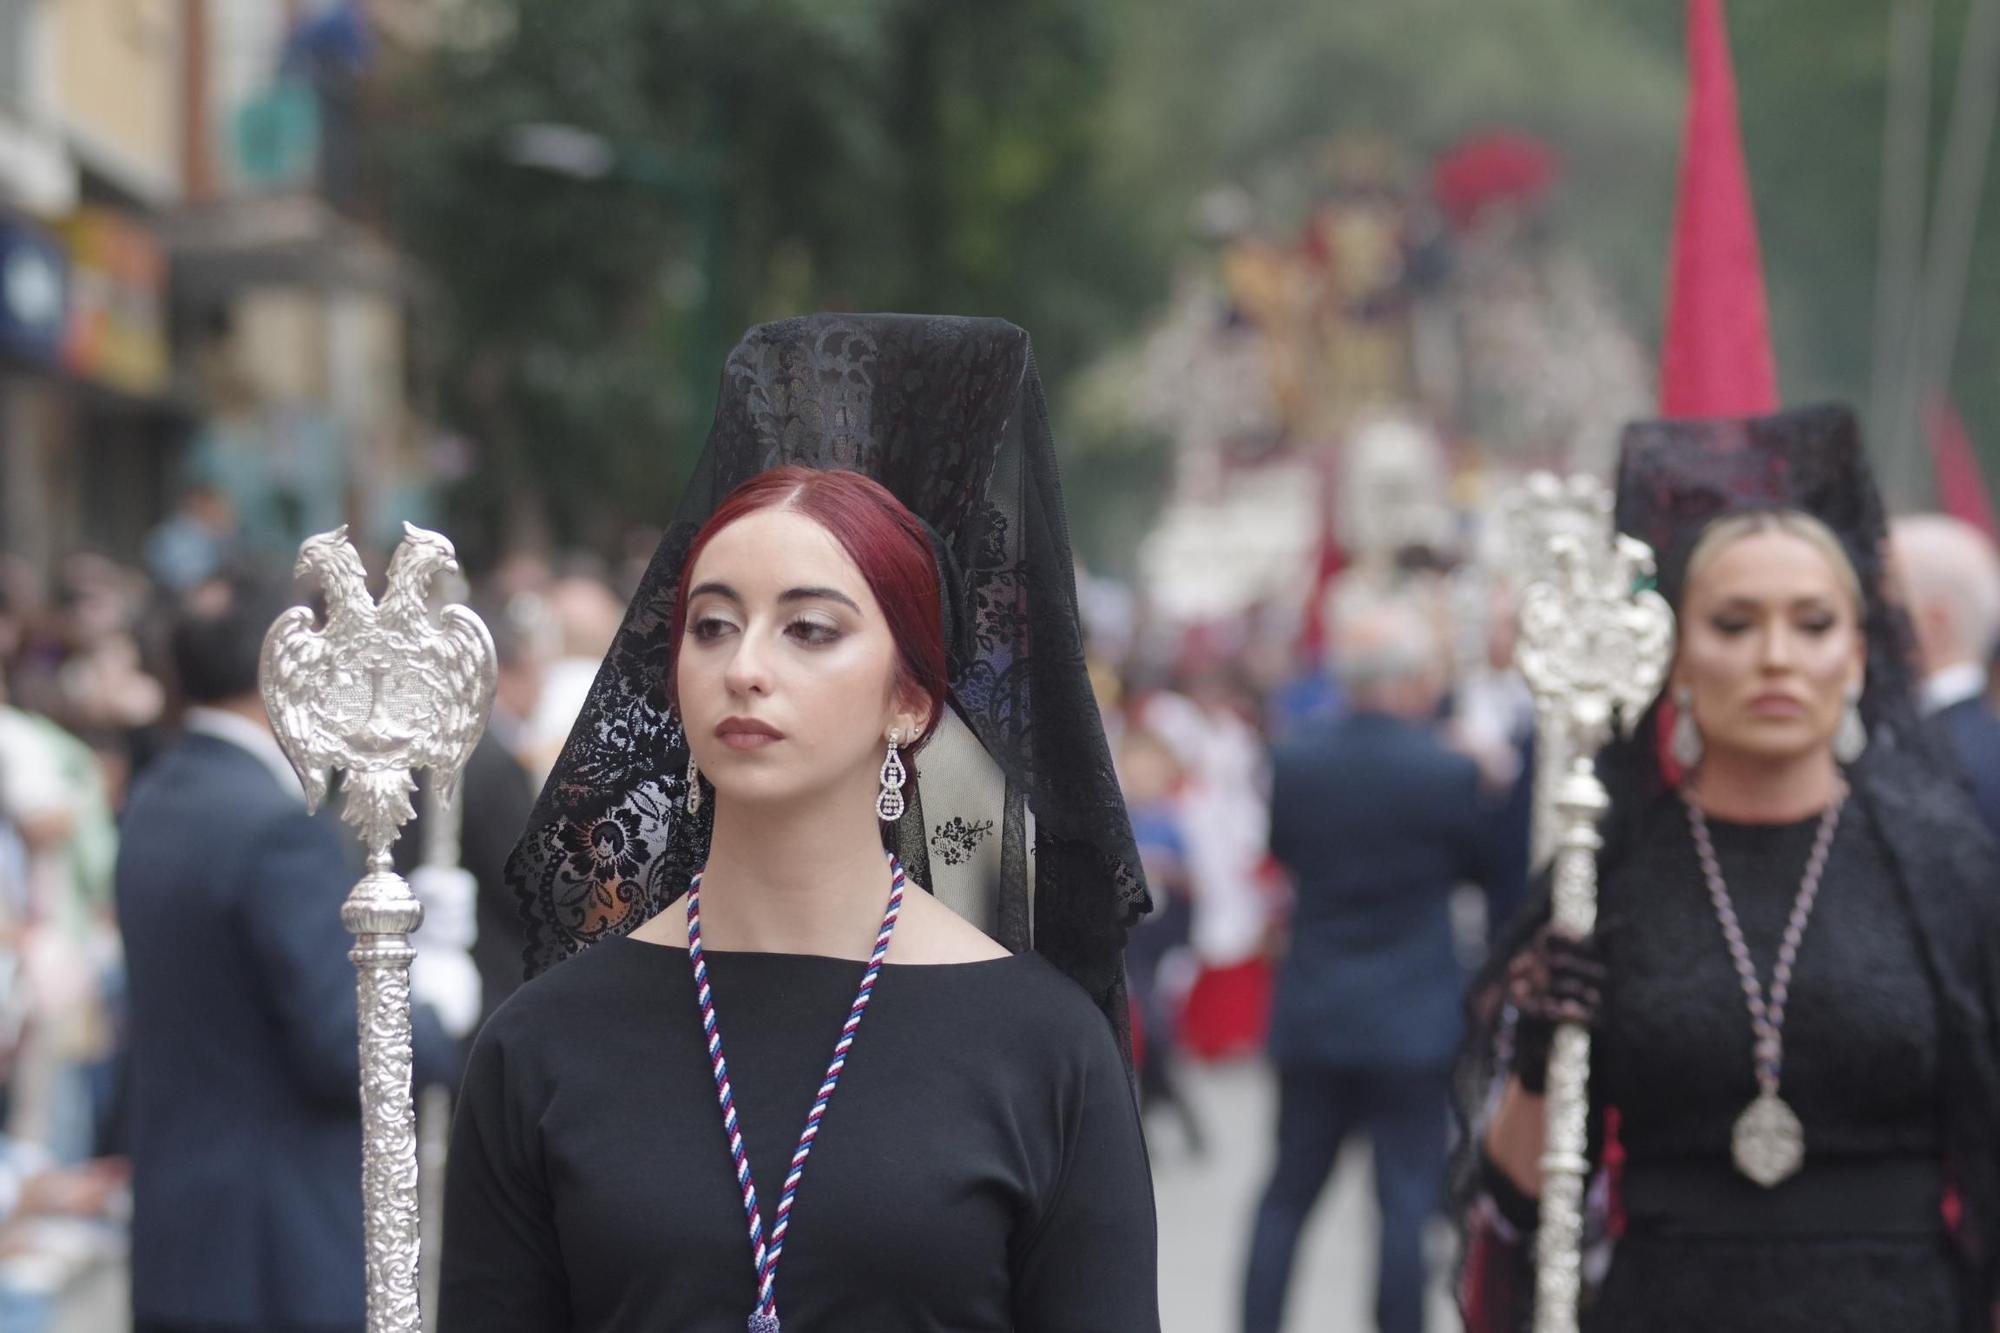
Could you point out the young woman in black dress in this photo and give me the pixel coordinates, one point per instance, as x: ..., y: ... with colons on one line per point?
x: 1821, y: 1156
x: 787, y: 1086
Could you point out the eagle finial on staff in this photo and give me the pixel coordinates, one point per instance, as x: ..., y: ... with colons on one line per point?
x: 380, y: 689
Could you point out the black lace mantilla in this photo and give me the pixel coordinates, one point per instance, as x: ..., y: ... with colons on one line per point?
x: 948, y: 414
x: 1676, y: 477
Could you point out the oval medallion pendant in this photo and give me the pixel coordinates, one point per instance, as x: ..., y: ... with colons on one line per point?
x: 1769, y: 1143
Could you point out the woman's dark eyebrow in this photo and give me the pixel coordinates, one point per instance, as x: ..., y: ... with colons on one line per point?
x: 819, y: 594
x: 1746, y: 603
x: 789, y: 595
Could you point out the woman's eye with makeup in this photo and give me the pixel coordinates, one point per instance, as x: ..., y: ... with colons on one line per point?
x: 706, y: 628
x: 1729, y: 626
x: 812, y: 633
x: 1816, y: 623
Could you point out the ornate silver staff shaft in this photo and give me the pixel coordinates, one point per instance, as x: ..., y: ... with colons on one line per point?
x: 1594, y: 651
x: 379, y: 691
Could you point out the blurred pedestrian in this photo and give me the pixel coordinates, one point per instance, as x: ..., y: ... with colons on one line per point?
x: 585, y: 613
x: 244, y: 1108
x: 195, y: 541
x: 1378, y: 822
x: 1224, y: 798
x: 1493, y: 717
x: 84, y: 670
x: 1150, y: 776
x: 495, y: 796
x: 55, y: 929
x: 1951, y: 576
x: 35, y: 1191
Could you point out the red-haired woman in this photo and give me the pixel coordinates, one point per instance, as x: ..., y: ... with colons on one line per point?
x: 806, y: 1087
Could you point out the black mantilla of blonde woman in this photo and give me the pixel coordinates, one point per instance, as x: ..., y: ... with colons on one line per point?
x: 1789, y: 986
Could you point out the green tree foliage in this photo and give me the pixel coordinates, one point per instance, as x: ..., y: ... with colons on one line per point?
x: 1040, y: 159
x: 768, y: 157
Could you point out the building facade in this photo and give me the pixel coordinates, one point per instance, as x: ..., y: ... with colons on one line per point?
x: 192, y: 291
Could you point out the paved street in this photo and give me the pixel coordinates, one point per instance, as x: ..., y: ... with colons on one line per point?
x: 1205, y: 1208
x: 96, y: 1305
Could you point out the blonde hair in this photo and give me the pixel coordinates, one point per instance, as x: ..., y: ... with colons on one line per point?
x: 1729, y: 530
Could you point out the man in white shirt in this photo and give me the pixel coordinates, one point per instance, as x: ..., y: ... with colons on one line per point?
x: 1951, y: 576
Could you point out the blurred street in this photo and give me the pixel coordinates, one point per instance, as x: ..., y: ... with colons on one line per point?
x: 1205, y: 1207
x: 98, y: 1304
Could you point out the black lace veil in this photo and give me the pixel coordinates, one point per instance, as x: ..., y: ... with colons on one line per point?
x: 1014, y: 817
x: 1675, y: 478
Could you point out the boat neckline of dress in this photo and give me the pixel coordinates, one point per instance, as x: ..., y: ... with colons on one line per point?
x: 1683, y: 798
x: 681, y: 950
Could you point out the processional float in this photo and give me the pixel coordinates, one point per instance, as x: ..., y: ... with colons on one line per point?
x: 377, y: 691
x: 1594, y: 645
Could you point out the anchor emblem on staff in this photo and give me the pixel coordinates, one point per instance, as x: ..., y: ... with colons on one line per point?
x: 377, y: 691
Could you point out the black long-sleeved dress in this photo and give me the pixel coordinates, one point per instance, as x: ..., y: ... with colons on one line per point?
x: 980, y: 1167
x: 1857, y: 1240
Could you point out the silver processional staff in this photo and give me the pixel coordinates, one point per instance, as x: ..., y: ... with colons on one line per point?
x: 378, y: 691
x: 1594, y: 645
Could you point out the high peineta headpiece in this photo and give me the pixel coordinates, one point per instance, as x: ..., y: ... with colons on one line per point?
x: 1014, y: 815
x: 1676, y: 477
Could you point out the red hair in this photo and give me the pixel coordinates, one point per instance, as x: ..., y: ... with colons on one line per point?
x: 886, y: 542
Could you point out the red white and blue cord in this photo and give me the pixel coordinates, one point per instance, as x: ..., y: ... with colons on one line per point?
x: 765, y: 1257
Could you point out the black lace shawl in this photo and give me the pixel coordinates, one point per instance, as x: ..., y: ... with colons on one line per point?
x: 1675, y: 478
x: 1014, y: 814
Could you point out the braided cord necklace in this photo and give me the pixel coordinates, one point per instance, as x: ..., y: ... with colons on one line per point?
x: 1768, y: 1142
x: 764, y: 1319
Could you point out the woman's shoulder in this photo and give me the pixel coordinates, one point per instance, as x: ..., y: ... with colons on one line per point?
x: 1020, y: 1006
x: 931, y: 933
x: 575, y: 991
x: 1933, y: 832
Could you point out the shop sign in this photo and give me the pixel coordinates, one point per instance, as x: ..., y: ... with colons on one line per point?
x: 34, y: 293
x: 117, y: 331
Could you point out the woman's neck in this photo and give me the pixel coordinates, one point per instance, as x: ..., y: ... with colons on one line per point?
x: 1760, y: 789
x: 809, y: 880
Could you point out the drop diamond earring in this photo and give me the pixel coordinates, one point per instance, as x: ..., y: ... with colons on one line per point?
x: 889, y: 805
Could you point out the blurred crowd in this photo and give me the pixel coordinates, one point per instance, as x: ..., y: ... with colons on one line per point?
x: 88, y: 700
x: 1333, y: 807
x: 1202, y: 720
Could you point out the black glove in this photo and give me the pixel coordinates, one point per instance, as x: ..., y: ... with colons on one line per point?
x: 1556, y: 979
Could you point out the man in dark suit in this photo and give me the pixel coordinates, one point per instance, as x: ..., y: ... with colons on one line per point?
x: 1951, y: 577
x: 496, y: 796
x: 244, y: 1109
x: 1377, y: 822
